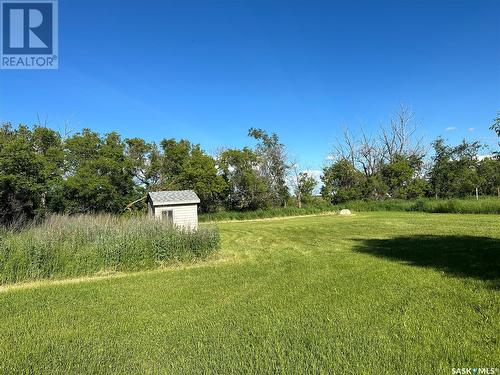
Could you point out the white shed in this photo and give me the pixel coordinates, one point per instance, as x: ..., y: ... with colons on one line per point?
x: 180, y: 208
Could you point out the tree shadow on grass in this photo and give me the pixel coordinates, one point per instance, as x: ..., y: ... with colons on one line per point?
x: 460, y: 256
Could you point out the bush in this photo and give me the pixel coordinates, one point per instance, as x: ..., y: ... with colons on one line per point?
x: 69, y: 246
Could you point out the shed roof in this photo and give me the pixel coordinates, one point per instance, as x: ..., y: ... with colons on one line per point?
x: 163, y: 198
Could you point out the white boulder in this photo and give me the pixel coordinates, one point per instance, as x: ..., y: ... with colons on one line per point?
x: 345, y: 212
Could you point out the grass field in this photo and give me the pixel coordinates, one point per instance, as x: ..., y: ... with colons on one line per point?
x: 378, y: 293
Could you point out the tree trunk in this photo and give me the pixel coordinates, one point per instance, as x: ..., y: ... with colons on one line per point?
x: 477, y: 193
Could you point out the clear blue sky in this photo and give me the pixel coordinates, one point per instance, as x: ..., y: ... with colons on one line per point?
x: 209, y: 70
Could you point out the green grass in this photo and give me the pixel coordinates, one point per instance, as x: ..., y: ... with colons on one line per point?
x: 487, y: 205
x: 373, y: 293
x: 70, y: 246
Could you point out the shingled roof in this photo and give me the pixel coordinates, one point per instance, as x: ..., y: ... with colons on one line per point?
x: 165, y: 198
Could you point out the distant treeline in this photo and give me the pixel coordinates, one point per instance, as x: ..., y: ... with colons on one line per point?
x: 395, y: 164
x: 42, y: 171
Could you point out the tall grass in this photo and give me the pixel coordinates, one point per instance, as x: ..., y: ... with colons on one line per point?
x: 268, y: 213
x: 490, y: 205
x: 69, y: 246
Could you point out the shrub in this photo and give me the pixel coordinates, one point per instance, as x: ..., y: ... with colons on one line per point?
x: 69, y: 246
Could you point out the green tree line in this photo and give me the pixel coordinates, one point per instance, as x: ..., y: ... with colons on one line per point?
x: 43, y: 172
x: 394, y: 164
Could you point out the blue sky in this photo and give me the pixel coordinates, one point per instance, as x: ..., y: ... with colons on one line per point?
x: 209, y: 70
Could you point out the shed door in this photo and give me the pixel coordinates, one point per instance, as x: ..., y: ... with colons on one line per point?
x: 168, y: 216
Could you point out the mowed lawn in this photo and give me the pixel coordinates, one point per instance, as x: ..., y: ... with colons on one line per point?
x: 372, y: 293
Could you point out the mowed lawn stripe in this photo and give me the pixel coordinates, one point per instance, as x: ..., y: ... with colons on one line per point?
x: 300, y: 295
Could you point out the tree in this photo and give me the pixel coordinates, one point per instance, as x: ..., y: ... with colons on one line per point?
x: 175, y: 154
x: 489, y: 176
x: 363, y: 152
x: 144, y: 159
x: 400, y: 176
x: 199, y: 173
x: 186, y: 166
x: 246, y: 188
x: 375, y: 188
x: 400, y: 138
x: 23, y: 176
x: 342, y: 182
x: 454, y: 170
x: 369, y: 152
x: 272, y: 164
x: 440, y: 169
x: 79, y: 148
x: 99, y: 176
x: 418, y: 187
x: 495, y: 126
x: 48, y: 145
x: 303, y: 184
x: 307, y: 184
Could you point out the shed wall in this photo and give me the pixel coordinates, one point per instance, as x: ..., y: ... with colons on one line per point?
x: 185, y: 216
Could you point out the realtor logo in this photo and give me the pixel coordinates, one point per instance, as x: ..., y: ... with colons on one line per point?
x: 29, y: 34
